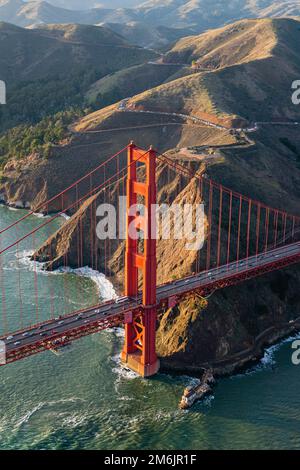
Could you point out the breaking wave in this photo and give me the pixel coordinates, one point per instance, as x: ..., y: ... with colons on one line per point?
x: 14, y: 209
x: 40, y: 216
x: 268, y: 361
x: 121, y: 371
x: 65, y: 216
x: 105, y: 288
x: 24, y: 419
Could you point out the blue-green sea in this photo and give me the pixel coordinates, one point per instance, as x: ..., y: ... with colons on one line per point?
x: 83, y: 399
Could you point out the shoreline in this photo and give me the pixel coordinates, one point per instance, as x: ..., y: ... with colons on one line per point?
x: 19, y: 205
x: 242, y: 361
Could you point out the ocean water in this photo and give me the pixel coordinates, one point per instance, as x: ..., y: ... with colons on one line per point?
x: 83, y: 399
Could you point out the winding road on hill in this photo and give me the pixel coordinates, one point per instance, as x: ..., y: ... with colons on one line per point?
x: 253, y: 128
x: 190, y: 152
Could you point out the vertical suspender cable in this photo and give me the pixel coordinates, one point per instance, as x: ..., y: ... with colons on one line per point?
x: 220, y: 227
x: 229, y: 228
x: 239, y: 230
x: 267, y: 229
x: 258, y: 227
x: 209, y: 235
x: 248, y: 227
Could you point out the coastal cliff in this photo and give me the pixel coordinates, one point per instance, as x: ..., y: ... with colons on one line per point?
x: 235, y: 326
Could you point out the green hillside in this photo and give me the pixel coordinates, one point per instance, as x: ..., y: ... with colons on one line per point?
x: 50, y: 69
x: 128, y: 82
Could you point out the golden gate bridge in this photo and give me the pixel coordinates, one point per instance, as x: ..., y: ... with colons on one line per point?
x: 243, y: 239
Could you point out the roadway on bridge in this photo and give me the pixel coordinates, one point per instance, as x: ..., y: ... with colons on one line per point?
x: 59, y: 327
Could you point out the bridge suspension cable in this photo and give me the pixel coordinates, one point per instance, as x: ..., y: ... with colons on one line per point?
x: 61, y: 194
x: 241, y: 238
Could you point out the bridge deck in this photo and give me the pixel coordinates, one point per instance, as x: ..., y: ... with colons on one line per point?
x: 82, y: 323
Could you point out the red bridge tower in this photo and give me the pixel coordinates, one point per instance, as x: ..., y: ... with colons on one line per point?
x: 139, y: 352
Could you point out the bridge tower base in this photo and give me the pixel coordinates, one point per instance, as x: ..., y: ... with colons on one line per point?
x: 133, y: 362
x: 139, y: 352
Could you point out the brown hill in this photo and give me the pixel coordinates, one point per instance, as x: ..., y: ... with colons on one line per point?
x: 244, y: 41
x: 31, y: 54
x: 50, y: 69
x: 235, y: 70
x: 251, y: 63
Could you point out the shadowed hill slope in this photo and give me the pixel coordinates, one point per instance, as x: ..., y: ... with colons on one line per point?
x: 50, y: 69
x: 55, y: 50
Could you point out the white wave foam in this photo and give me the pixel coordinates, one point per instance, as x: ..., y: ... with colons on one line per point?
x: 122, y: 371
x: 14, y: 209
x: 40, y: 216
x: 105, y: 287
x: 65, y: 216
x: 208, y: 401
x: 29, y: 414
x: 66, y: 400
x: 125, y: 398
x: 119, y: 332
x: 268, y: 361
x: 24, y: 258
x: 74, y: 420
